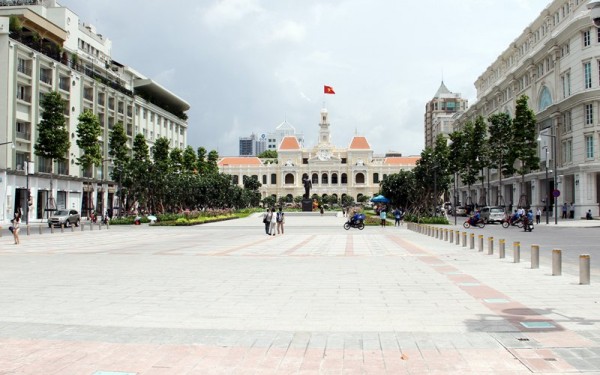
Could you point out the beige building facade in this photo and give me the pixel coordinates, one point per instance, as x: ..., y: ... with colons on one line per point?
x: 56, y: 51
x: 556, y: 63
x: 353, y: 170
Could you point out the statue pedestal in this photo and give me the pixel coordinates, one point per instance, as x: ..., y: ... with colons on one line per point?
x: 307, y: 205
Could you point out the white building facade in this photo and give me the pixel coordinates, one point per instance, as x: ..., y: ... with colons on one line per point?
x: 55, y: 51
x: 556, y: 63
x: 354, y: 170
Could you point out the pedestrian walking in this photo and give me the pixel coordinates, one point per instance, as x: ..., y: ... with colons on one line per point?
x: 273, y: 220
x: 564, y: 211
x: 396, y: 217
x: 538, y: 215
x: 383, y: 217
x: 267, y: 220
x: 280, y: 218
x: 16, y: 223
x: 572, y: 210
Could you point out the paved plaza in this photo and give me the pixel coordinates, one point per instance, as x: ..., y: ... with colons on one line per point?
x: 225, y: 298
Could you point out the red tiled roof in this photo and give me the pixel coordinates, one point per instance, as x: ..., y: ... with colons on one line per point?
x: 289, y: 143
x: 359, y: 143
x: 239, y: 160
x: 403, y: 160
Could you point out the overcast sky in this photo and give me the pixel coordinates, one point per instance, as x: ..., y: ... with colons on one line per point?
x: 247, y: 65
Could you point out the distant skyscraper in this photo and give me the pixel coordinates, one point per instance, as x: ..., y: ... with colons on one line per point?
x: 255, y: 145
x: 440, y: 113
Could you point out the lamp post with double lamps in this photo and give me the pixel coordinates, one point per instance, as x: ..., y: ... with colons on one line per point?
x: 553, y: 137
x: 104, y: 205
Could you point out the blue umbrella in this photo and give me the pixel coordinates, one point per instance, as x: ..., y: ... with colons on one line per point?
x: 380, y: 199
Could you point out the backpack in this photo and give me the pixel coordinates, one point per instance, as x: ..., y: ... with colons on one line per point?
x: 279, y: 217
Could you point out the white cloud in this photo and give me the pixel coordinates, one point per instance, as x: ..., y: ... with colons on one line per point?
x: 226, y: 12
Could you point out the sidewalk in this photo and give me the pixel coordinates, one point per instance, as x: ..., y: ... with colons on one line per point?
x: 225, y: 298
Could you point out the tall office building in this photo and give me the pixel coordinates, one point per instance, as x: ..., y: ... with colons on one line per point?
x: 45, y: 47
x: 440, y: 113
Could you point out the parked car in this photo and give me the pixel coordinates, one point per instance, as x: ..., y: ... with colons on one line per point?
x: 493, y: 214
x: 461, y: 211
x: 64, y: 217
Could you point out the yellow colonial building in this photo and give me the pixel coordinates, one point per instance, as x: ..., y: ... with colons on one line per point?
x: 353, y: 170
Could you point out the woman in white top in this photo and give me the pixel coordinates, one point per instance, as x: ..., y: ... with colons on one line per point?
x: 16, y: 227
x: 273, y: 222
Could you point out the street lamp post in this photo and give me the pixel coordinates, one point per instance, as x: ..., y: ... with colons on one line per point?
x: 553, y: 138
x: 104, y: 210
x: 547, y: 199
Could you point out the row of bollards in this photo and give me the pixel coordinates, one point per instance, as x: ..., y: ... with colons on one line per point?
x: 455, y: 237
x: 62, y: 228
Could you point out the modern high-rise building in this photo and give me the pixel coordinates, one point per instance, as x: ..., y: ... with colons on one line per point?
x: 45, y: 47
x: 255, y: 145
x: 440, y: 113
x: 554, y: 62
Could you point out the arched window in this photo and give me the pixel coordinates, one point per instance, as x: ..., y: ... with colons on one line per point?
x: 344, y: 178
x: 315, y: 178
x: 334, y: 178
x: 289, y: 179
x: 324, y: 178
x: 545, y: 99
x: 375, y: 178
x: 360, y: 178
x: 274, y: 179
x: 264, y: 179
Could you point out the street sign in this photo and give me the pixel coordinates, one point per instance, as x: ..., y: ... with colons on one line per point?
x: 556, y: 193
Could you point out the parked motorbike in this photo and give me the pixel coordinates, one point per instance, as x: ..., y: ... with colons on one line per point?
x: 470, y: 222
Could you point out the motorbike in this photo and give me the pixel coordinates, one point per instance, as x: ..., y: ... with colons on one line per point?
x: 471, y: 222
x: 509, y: 221
x: 357, y: 221
x: 527, y: 224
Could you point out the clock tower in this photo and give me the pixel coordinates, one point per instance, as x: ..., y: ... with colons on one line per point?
x: 324, y: 134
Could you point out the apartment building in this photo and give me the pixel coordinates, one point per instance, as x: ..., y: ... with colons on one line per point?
x: 54, y: 50
x: 556, y: 63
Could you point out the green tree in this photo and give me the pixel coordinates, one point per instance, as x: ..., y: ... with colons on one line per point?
x: 479, y: 149
x: 500, y: 135
x: 53, y: 136
x: 119, y: 153
x: 268, y: 154
x: 88, y: 134
x: 189, y: 160
x: 201, y: 167
x: 139, y: 167
x: 400, y: 189
x: 176, y: 160
x: 523, y: 150
x: 211, y: 163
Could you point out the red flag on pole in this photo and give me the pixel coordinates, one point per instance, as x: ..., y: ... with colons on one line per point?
x: 328, y: 90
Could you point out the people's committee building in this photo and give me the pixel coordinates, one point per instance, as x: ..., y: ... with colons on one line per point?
x: 556, y: 63
x: 353, y: 170
x: 45, y: 47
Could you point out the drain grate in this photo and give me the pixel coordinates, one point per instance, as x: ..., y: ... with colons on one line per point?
x: 523, y: 339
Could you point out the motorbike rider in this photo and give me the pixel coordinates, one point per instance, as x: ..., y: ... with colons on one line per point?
x: 476, y: 217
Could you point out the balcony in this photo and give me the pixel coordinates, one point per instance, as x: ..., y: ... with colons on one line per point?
x: 23, y: 135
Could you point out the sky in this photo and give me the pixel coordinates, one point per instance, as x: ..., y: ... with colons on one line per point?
x: 245, y: 66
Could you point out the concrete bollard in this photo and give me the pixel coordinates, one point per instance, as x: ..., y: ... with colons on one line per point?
x: 62, y: 228
x: 91, y: 226
x: 100, y: 226
x: 28, y: 230
x: 451, y: 240
x: 446, y: 235
x: 107, y: 225
x: 40, y: 229
x: 584, y: 269
x: 458, y: 237
x: 464, y: 239
x: 72, y: 228
x: 516, y: 252
x: 490, y: 245
x: 480, y: 237
x: 502, y: 249
x: 556, y: 262
x: 82, y: 226
x: 52, y: 229
x: 472, y: 241
x: 535, y: 256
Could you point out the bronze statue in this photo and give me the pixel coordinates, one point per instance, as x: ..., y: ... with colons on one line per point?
x: 307, y: 185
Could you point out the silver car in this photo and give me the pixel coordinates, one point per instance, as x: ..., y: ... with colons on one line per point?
x: 492, y: 214
x: 64, y: 217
